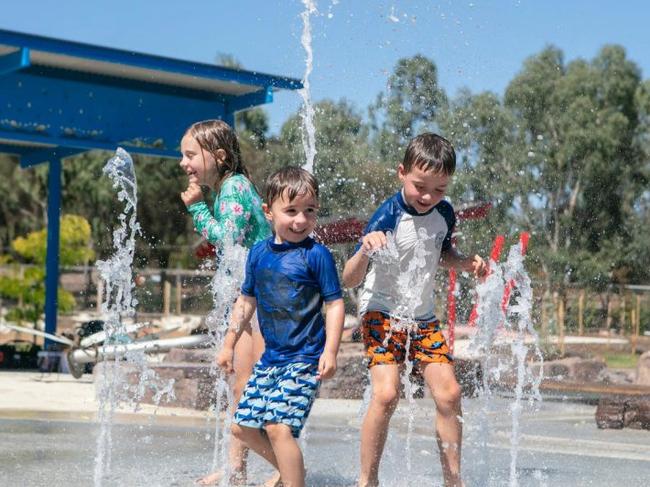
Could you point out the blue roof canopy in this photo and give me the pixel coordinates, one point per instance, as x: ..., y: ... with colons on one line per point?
x: 57, y: 93
x: 59, y: 98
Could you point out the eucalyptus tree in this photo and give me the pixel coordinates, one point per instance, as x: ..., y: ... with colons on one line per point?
x: 578, y: 126
x: 411, y: 102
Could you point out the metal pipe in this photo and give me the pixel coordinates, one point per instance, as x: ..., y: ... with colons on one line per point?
x: 108, y: 352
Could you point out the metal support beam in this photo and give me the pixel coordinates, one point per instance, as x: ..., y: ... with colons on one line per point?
x: 237, y: 103
x: 36, y: 157
x: 14, y: 61
x: 229, y: 118
x: 52, y: 257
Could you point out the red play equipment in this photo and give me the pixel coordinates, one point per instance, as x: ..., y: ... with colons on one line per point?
x: 497, y: 248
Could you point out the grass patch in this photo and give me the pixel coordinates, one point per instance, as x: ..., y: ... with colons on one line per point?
x: 621, y: 360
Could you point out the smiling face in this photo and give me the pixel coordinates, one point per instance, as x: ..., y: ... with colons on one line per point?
x: 423, y: 189
x: 293, y: 220
x: 199, y: 165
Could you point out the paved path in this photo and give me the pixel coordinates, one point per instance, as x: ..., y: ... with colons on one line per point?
x: 48, y: 437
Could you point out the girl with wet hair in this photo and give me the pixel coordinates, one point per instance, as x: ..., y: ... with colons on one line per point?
x: 211, y: 158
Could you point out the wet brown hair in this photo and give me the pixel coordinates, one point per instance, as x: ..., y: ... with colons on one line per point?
x: 294, y: 180
x: 212, y: 135
x: 430, y: 152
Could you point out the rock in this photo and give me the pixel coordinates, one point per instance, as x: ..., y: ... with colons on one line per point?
x: 193, y: 383
x: 202, y: 355
x: 643, y: 369
x: 351, y: 378
x: 623, y: 411
x: 610, y: 413
x: 469, y: 375
x: 575, y: 369
x: 637, y: 414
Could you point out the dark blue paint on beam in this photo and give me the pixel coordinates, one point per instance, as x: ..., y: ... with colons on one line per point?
x: 14, y: 61
x: 76, y: 146
x: 52, y: 257
x: 143, y: 87
x: 35, y: 157
x: 78, y: 114
x: 15, y: 150
x: 237, y: 103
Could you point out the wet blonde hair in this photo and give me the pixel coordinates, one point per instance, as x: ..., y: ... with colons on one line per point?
x: 212, y: 135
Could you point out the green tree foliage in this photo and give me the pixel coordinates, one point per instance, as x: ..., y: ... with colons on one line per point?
x: 22, y: 206
x: 26, y: 285
x: 411, y: 102
x: 481, y: 129
x: 578, y: 129
x: 351, y: 183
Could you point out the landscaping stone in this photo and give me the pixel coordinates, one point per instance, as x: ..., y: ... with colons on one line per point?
x: 623, y: 412
x: 610, y: 413
x: 193, y: 383
x: 573, y: 369
x: 351, y: 378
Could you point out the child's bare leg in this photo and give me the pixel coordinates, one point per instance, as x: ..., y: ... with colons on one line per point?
x: 446, y: 393
x: 385, y: 396
x: 287, y: 452
x: 244, y: 360
x: 247, y: 352
x: 257, y: 440
x: 258, y: 350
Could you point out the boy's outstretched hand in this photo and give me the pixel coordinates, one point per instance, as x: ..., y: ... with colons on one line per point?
x: 192, y: 194
x: 224, y: 360
x: 479, y: 266
x: 326, y: 365
x: 373, y: 241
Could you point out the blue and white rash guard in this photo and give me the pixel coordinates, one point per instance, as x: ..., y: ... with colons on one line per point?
x: 380, y: 291
x: 290, y: 281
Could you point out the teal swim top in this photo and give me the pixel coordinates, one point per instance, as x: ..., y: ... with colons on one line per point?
x: 237, y: 214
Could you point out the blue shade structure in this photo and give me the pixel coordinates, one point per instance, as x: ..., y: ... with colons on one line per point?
x: 60, y: 98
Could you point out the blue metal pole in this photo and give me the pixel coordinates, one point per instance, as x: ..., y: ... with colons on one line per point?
x: 52, y: 258
x: 229, y: 118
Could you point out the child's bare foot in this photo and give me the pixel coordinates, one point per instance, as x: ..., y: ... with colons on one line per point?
x: 211, y: 479
x: 274, y: 481
x: 214, y: 478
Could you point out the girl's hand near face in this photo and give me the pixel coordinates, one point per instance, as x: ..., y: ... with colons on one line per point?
x: 192, y: 194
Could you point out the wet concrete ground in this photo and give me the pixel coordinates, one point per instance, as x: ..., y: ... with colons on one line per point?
x: 559, y: 445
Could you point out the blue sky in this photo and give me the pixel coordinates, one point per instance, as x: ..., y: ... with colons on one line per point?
x: 478, y: 44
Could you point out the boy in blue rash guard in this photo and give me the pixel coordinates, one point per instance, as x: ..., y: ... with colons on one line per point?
x: 288, y: 278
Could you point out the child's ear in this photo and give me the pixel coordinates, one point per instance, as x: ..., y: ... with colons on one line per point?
x: 401, y: 173
x: 267, y: 212
x: 220, y: 155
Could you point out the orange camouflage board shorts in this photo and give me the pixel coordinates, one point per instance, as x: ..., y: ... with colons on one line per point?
x: 388, y: 346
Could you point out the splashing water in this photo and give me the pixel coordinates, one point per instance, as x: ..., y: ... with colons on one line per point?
x: 118, y: 301
x: 490, y: 316
x: 512, y: 326
x: 225, y: 286
x: 307, y: 111
x: 119, y: 304
x: 520, y: 311
x: 410, y: 285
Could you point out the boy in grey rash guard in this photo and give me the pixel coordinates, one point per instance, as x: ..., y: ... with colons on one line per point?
x: 421, y: 223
